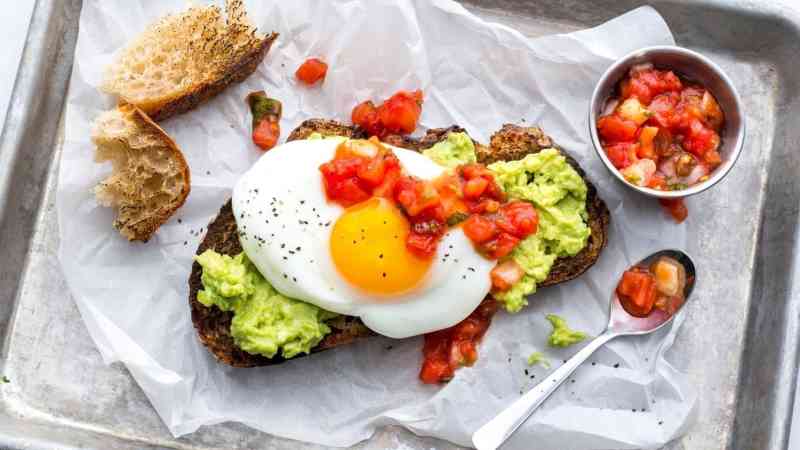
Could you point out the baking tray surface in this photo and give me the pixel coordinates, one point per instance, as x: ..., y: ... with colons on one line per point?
x: 62, y: 395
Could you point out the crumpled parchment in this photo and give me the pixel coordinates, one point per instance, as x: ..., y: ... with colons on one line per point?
x: 133, y: 297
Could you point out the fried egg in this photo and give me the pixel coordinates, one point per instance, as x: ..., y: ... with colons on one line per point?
x: 354, y: 260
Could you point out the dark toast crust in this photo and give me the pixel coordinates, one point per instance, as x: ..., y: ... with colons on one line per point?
x: 236, y: 72
x: 510, y: 143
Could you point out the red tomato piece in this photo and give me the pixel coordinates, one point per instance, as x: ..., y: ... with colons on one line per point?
x: 400, y: 113
x: 311, y: 71
x: 475, y: 187
x: 676, y: 208
x: 422, y: 245
x: 506, y: 274
x: 266, y: 134
x: 501, y: 246
x: 700, y: 139
x: 640, y: 90
x: 435, y: 371
x: 365, y: 115
x: 637, y: 292
x: 613, y: 128
x: 518, y: 218
x: 620, y: 154
x: 479, y: 229
x: 387, y: 187
x: 663, y: 108
x: 372, y: 171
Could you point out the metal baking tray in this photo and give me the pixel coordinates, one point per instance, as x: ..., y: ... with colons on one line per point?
x: 739, y: 342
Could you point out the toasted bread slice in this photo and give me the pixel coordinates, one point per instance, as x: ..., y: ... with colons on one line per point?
x: 510, y: 143
x: 185, y: 59
x: 149, y: 178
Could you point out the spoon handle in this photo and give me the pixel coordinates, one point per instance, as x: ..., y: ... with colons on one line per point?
x: 491, y: 435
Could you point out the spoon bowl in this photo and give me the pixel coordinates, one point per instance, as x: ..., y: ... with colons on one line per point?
x: 620, y: 323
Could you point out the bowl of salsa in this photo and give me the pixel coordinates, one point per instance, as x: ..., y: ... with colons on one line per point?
x: 667, y: 122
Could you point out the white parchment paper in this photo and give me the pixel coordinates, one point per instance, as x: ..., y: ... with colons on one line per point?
x: 133, y: 297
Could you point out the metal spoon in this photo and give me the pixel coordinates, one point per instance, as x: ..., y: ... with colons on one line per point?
x: 491, y: 435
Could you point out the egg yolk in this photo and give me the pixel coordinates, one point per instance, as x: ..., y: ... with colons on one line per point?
x: 368, y: 246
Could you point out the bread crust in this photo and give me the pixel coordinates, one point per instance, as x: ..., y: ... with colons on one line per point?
x: 510, y: 142
x: 144, y: 124
x: 201, y: 93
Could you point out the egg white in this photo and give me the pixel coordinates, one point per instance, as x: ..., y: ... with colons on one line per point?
x: 285, y: 224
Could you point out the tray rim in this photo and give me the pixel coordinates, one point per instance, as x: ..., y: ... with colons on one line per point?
x: 25, y: 106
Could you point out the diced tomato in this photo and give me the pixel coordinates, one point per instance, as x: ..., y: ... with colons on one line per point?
x: 446, y: 350
x: 613, y: 128
x: 700, y: 139
x: 422, y: 245
x: 266, y: 134
x: 266, y: 114
x: 646, y: 143
x: 676, y: 208
x: 620, y: 154
x: 518, y: 218
x: 435, y: 371
x: 400, y: 113
x: 311, y: 71
x: 637, y: 88
x: 372, y: 171
x: 637, y: 292
x: 479, y: 229
x: 671, y: 82
x: 475, y: 170
x: 349, y: 192
x: 506, y: 274
x: 474, y: 187
x: 663, y: 107
x: 365, y: 115
x: 501, y: 246
x: 387, y: 186
x: 415, y: 195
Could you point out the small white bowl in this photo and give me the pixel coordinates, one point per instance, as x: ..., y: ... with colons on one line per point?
x: 695, y: 67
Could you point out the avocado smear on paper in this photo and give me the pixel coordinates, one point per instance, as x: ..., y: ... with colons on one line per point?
x: 264, y: 321
x: 562, y: 335
x: 556, y: 190
x: 538, y: 358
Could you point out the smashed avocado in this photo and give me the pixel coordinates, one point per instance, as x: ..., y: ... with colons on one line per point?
x: 538, y: 358
x: 557, y: 191
x: 559, y: 194
x: 457, y: 149
x: 562, y: 335
x: 264, y: 321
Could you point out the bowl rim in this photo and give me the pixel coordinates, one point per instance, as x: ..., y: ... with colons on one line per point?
x: 644, y: 53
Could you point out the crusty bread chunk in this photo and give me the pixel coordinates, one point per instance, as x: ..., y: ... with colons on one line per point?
x: 149, y: 178
x: 185, y: 59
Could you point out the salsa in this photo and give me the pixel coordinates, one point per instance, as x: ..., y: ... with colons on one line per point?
x: 447, y: 350
x: 468, y: 196
x: 266, y: 119
x: 659, y: 286
x: 662, y: 132
x: 399, y: 114
x: 311, y: 71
